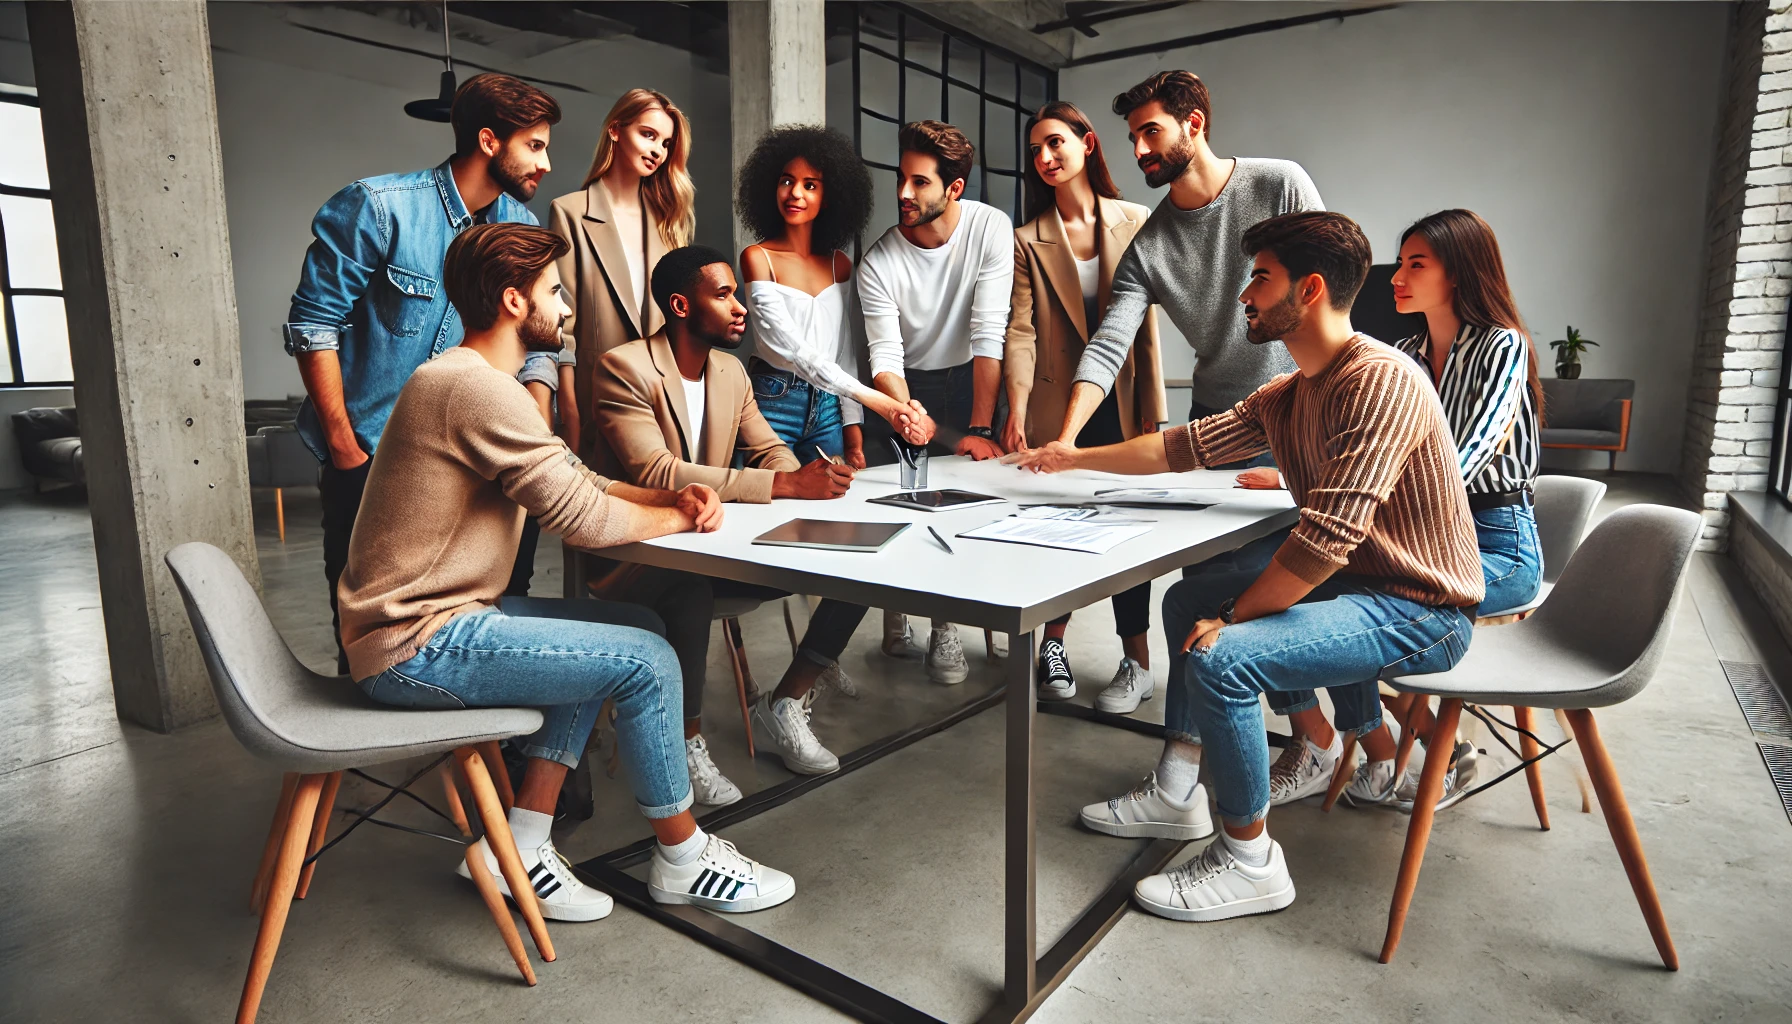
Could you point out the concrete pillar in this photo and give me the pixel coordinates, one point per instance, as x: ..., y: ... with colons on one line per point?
x: 777, y: 73
x: 131, y: 133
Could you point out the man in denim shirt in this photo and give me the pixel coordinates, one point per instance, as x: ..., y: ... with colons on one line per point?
x: 370, y: 308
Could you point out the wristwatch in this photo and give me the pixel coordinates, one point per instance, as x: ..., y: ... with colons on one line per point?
x: 986, y: 433
x: 1226, y: 607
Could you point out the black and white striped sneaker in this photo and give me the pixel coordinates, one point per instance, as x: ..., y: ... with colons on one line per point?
x: 719, y: 879
x: 562, y: 896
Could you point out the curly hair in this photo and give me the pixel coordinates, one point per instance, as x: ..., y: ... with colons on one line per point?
x: 846, y: 185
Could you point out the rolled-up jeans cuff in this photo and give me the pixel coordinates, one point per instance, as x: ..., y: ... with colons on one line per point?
x: 669, y: 810
x: 1367, y: 727
x: 1311, y: 702
x: 1183, y: 737
x: 569, y: 758
x: 816, y: 656
x: 1237, y: 822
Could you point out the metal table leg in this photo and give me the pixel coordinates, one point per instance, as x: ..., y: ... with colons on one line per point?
x: 1019, y: 918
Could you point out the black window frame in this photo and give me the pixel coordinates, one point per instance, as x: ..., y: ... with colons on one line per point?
x: 1779, y: 472
x: 950, y: 38
x: 8, y: 319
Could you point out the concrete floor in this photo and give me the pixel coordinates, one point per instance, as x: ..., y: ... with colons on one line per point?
x: 125, y: 857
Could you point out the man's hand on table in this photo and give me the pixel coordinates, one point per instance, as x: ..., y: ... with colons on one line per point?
x: 978, y: 448
x: 1052, y: 457
x: 1260, y: 478
x: 703, y: 505
x: 819, y: 479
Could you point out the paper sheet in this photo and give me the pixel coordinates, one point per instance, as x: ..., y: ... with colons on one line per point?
x: 1166, y: 496
x: 1097, y: 537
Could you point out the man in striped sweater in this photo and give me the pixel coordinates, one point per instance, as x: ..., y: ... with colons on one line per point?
x: 1381, y: 571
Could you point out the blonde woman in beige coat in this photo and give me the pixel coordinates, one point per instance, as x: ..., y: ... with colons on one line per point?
x: 1064, y: 259
x: 637, y: 204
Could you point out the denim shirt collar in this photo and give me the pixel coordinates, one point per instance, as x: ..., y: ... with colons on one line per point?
x: 458, y: 217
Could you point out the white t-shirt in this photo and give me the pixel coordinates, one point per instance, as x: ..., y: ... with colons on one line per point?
x: 696, y: 394
x: 1088, y: 277
x: 931, y: 309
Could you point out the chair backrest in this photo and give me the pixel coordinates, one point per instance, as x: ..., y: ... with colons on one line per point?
x: 1590, y: 404
x: 254, y: 674
x: 1563, y: 506
x: 1615, y: 600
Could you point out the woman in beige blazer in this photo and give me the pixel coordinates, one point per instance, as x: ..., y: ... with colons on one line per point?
x: 638, y: 203
x: 1064, y: 259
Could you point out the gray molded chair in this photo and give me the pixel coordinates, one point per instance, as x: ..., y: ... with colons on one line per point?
x: 1563, y: 504
x: 316, y: 727
x: 1596, y: 642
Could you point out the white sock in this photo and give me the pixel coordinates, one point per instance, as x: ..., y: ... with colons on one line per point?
x: 687, y: 851
x: 1249, y: 852
x: 530, y: 828
x: 1176, y: 780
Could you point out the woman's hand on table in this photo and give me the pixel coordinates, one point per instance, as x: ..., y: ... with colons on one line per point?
x: 1055, y: 457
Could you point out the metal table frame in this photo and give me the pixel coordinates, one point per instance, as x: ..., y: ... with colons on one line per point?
x: 1028, y: 979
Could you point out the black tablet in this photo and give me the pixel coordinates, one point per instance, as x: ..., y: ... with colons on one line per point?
x: 830, y: 535
x: 936, y: 501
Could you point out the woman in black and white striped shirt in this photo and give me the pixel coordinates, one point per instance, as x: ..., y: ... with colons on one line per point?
x: 1486, y: 376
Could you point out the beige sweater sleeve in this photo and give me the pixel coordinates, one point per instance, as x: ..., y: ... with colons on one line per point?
x: 500, y: 434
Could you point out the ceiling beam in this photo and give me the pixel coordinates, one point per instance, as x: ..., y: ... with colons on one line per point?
x: 1234, y: 32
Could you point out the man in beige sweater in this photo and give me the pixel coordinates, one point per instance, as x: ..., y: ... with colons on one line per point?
x: 464, y: 457
x: 1382, y: 569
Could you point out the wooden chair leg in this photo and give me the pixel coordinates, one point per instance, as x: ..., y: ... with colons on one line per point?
x: 483, y: 880
x: 1623, y: 830
x: 294, y: 836
x: 989, y: 645
x: 789, y: 626
x: 739, y: 640
x: 740, y: 680
x: 1341, y: 774
x: 1533, y: 773
x: 503, y: 846
x: 494, y: 763
x: 1403, y: 752
x: 1424, y: 808
x: 320, y: 828
x: 280, y: 518
x: 1574, y: 765
x: 258, y: 889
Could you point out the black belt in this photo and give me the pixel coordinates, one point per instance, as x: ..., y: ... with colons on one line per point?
x: 1499, y: 499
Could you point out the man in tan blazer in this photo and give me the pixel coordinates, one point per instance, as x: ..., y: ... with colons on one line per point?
x: 678, y: 406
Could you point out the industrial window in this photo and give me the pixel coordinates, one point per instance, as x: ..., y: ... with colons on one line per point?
x: 1779, y: 474
x: 909, y: 67
x: 36, y: 326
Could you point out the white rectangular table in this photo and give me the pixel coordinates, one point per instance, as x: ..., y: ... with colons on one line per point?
x: 1009, y: 587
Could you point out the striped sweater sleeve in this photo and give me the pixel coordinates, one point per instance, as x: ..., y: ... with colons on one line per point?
x: 1496, y: 375
x: 1382, y: 411
x: 1233, y: 435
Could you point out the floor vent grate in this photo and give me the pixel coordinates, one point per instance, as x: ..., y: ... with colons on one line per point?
x: 1763, y: 706
x: 1779, y: 767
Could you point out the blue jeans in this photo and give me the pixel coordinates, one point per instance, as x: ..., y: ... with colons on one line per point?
x: 1511, y: 556
x: 1342, y: 636
x: 566, y: 658
x: 803, y: 416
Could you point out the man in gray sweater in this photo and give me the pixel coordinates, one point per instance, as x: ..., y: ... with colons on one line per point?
x: 1187, y: 258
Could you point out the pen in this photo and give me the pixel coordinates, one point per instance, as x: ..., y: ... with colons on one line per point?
x: 942, y: 540
x: 825, y: 456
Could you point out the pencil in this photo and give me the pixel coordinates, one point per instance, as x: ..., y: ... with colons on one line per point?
x: 826, y: 457
x: 942, y: 540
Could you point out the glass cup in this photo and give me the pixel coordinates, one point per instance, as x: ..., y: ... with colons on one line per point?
x: 913, y: 467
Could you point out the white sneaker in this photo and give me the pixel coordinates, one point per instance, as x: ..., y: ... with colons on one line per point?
x: 1215, y: 885
x: 1055, y: 679
x: 1373, y: 784
x: 899, y: 640
x: 782, y: 724
x: 835, y: 678
x: 1132, y: 684
x: 708, y: 785
x: 1143, y: 813
x: 719, y: 879
x: 1303, y: 770
x: 945, y: 657
x: 1458, y: 778
x: 562, y: 896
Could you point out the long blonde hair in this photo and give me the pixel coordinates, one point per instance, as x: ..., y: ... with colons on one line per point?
x: 668, y: 191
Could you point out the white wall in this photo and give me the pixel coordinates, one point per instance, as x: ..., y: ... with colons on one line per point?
x: 1582, y: 132
x: 302, y: 114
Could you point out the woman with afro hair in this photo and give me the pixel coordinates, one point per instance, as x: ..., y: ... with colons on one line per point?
x: 805, y: 194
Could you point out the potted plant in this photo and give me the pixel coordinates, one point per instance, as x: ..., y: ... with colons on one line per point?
x: 1568, y: 352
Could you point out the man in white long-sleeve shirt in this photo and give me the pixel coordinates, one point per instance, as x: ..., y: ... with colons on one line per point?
x: 935, y: 292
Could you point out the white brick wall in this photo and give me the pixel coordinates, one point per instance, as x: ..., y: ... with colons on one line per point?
x: 1736, y: 363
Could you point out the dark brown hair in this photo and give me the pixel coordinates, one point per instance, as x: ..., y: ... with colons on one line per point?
x: 946, y: 144
x: 846, y: 185
x: 488, y: 258
x: 502, y: 103
x: 1470, y: 255
x: 1039, y: 195
x: 1316, y: 242
x: 1180, y: 92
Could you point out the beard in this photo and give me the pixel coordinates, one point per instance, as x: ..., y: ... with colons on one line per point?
x: 539, y: 333
x: 1172, y: 163
x: 725, y: 341
x: 513, y: 178
x: 925, y: 214
x: 1276, y: 322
